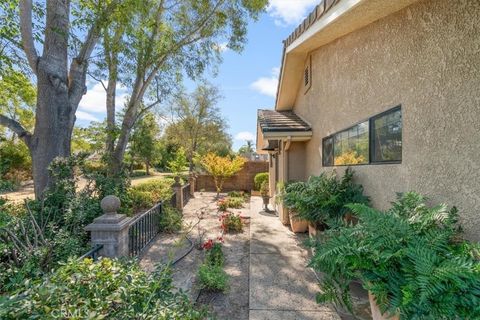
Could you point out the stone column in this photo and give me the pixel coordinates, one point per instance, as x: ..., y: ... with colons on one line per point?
x: 192, y: 184
x: 177, y: 188
x: 110, y: 229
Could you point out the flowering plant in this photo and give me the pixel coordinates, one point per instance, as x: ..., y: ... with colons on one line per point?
x: 231, y: 222
x: 222, y: 205
x: 210, y: 243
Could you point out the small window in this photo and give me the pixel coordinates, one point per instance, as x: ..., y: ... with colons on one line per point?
x: 377, y: 140
x: 387, y: 136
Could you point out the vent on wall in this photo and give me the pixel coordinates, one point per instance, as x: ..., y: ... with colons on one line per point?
x: 307, y: 74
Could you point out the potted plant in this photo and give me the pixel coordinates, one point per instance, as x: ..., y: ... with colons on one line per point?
x: 265, y: 193
x: 411, y: 259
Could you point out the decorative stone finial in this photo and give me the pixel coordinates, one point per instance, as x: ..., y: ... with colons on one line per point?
x: 110, y: 204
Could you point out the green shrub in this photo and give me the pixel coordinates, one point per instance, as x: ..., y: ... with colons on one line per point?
x: 170, y: 219
x: 322, y: 198
x: 147, y: 194
x: 259, y: 179
x: 235, y: 202
x: 140, y: 199
x: 214, y: 256
x: 212, y: 277
x: 28, y: 251
x: 108, y: 289
x: 411, y: 258
x: 6, y: 186
x: 236, y: 194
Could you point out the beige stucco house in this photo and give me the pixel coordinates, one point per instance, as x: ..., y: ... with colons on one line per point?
x: 389, y: 87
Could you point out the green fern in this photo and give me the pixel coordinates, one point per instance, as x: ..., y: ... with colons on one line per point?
x: 411, y: 258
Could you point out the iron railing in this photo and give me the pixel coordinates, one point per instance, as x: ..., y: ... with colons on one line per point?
x: 144, y: 229
x: 186, y: 194
x: 92, y: 253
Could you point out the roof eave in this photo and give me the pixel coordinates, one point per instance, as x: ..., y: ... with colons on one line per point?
x: 345, y: 17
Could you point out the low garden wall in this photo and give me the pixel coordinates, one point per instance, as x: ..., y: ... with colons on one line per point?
x: 241, y: 181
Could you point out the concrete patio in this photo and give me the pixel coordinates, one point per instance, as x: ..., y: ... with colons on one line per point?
x: 281, y: 287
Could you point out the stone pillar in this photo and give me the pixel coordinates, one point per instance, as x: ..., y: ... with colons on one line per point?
x: 192, y: 184
x: 110, y: 229
x: 177, y: 188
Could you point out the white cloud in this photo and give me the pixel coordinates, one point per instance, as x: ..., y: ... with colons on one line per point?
x: 81, y: 115
x: 288, y: 12
x: 94, y: 99
x: 267, y: 85
x: 221, y: 47
x: 245, y: 136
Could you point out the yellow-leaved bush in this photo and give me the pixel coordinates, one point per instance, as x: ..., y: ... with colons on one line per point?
x: 221, y: 168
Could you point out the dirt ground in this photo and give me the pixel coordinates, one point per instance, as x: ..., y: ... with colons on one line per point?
x: 201, y: 219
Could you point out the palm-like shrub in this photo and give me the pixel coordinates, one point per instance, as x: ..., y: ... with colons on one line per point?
x: 322, y: 198
x: 410, y: 258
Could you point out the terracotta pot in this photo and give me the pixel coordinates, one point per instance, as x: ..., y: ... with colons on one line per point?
x: 376, y: 313
x: 298, y: 225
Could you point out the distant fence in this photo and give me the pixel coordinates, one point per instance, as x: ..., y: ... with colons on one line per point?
x: 241, y: 181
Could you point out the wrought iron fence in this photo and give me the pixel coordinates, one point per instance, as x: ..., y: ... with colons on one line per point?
x: 93, y: 253
x: 186, y: 194
x: 144, y: 229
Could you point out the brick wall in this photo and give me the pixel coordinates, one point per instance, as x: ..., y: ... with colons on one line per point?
x: 241, y: 181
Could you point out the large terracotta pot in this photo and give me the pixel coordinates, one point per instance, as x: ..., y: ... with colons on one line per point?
x: 298, y: 225
x: 376, y: 313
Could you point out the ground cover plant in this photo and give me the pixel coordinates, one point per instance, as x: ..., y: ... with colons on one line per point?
x: 412, y: 258
x: 211, y: 275
x: 107, y: 289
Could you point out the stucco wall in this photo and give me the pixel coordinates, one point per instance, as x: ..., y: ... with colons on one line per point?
x: 426, y: 58
x: 296, y: 161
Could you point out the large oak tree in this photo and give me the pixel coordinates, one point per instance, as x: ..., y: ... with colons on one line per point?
x: 60, y: 78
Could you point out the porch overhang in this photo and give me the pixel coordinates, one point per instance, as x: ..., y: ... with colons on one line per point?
x: 274, y: 126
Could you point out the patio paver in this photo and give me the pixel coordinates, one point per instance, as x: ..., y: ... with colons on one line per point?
x: 281, y: 287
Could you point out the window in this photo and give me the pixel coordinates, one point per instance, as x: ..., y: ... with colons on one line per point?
x: 377, y: 140
x: 387, y: 136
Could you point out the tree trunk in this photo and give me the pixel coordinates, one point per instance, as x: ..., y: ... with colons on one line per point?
x: 147, y: 167
x: 111, y: 91
x: 54, y: 116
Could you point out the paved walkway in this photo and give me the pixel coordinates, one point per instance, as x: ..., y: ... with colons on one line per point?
x: 281, y: 287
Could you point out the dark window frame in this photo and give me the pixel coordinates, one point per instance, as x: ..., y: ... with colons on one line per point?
x: 371, y: 138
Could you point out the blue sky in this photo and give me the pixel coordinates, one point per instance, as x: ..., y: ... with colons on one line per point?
x: 247, y: 81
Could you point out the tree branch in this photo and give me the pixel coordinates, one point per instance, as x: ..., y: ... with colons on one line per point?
x: 27, y: 33
x: 17, y: 128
